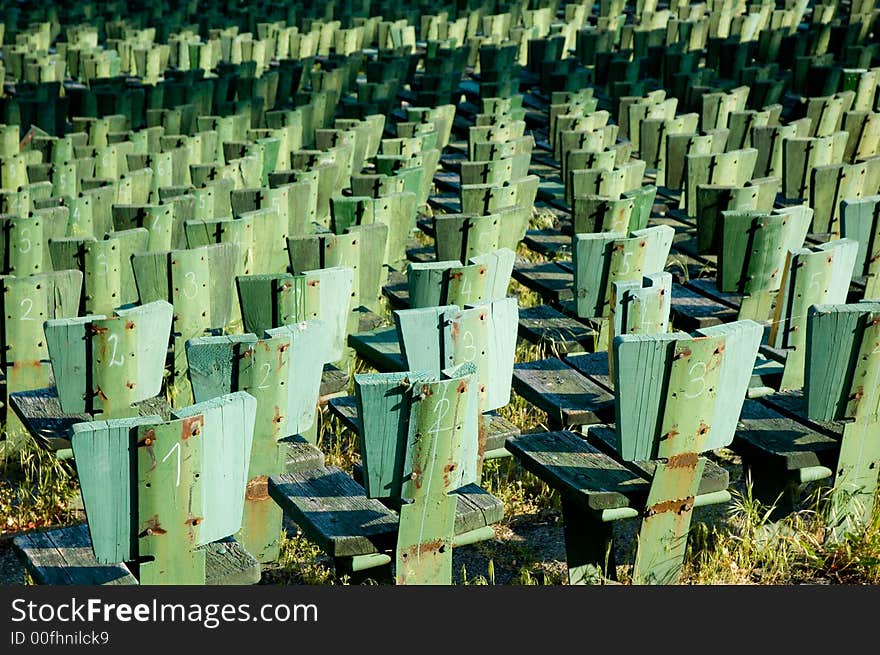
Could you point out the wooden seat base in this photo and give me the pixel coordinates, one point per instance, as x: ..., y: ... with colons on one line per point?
x: 333, y: 382
x: 781, y: 453
x: 568, y: 397
x: 63, y: 556
x: 590, y: 478
x: 380, y: 348
x: 333, y: 511
x: 545, y: 325
x: 596, y: 490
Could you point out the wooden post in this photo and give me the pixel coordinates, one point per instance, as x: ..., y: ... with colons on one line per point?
x: 696, y: 410
x: 812, y: 276
x: 841, y: 384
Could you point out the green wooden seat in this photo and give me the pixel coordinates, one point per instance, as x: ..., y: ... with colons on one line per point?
x: 751, y: 261
x: 132, y: 492
x: 272, y: 301
x: 283, y: 372
x: 839, y: 403
x: 485, y: 278
x: 399, y: 469
x: 600, y: 259
x: 27, y: 302
x: 198, y: 282
x: 360, y: 248
x: 859, y: 222
x: 813, y: 276
x: 649, y: 428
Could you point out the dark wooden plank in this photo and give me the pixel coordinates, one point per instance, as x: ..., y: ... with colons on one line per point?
x: 445, y: 203
x: 715, y: 478
x: 64, y: 556
x: 345, y: 408
x: 368, y: 320
x: 565, y: 395
x: 333, y: 382
x: 228, y: 563
x: 545, y: 325
x: 550, y: 243
x: 577, y: 469
x: 477, y: 508
x: 691, y: 310
x: 594, y: 366
x: 334, y: 512
x: 769, y: 435
x: 708, y: 287
x: 40, y: 412
x: 379, y: 348
x: 791, y: 403
x: 549, y: 279
x: 397, y: 290
x: 300, y: 455
x: 421, y: 254
x: 350, y: 522
x: 498, y: 429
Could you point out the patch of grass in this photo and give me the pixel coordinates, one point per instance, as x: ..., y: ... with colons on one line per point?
x: 522, y: 493
x: 301, y: 562
x: 540, y: 574
x: 525, y: 297
x: 798, y: 549
x: 339, y: 444
x: 676, y: 263
x: 543, y: 219
x: 524, y: 415
x: 423, y: 239
x: 529, y: 352
x: 36, y: 490
x: 524, y: 252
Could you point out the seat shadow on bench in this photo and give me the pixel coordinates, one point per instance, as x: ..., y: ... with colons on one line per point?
x: 64, y: 556
x: 782, y: 451
x: 380, y: 348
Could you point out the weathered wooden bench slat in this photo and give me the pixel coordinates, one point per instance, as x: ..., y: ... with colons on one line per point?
x: 578, y: 469
x: 543, y: 324
x: 565, y: 395
x: 64, y: 556
x: 715, y: 478
x: 380, y: 348
x: 770, y: 435
x: 332, y: 509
